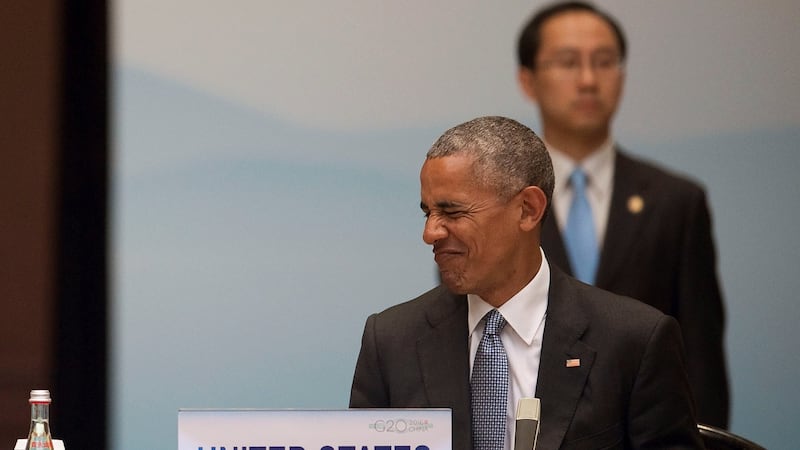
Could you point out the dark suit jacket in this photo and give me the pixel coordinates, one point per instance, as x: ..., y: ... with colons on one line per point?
x: 630, y: 390
x: 664, y: 255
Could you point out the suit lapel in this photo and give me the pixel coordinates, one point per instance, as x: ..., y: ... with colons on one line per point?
x: 626, y: 215
x: 444, y: 360
x: 623, y: 221
x: 565, y: 362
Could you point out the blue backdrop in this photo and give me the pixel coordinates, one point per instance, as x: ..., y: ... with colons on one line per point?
x: 266, y: 160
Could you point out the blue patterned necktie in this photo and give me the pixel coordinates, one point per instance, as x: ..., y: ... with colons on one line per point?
x: 579, y: 235
x: 489, y: 385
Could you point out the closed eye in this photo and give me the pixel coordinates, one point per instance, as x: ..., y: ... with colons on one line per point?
x: 447, y: 214
x: 454, y: 214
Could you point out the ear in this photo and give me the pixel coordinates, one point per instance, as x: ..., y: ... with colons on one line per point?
x: 525, y: 78
x: 534, y: 202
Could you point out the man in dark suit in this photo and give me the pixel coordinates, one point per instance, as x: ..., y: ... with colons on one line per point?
x: 609, y: 370
x: 650, y: 230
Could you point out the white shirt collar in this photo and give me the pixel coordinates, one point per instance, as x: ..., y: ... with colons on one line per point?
x: 598, y: 166
x: 524, y: 311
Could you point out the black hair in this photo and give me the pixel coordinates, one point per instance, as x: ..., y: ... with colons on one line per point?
x: 530, y: 39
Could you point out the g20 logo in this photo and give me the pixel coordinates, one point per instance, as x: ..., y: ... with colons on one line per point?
x: 390, y: 426
x: 401, y: 425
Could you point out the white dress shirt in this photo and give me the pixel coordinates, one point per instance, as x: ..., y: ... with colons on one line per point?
x: 522, y: 338
x: 599, y: 169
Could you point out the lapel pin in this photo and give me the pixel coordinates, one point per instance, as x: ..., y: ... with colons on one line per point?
x: 635, y: 204
x: 573, y: 363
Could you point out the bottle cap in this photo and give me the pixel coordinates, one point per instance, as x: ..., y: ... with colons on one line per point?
x: 40, y: 396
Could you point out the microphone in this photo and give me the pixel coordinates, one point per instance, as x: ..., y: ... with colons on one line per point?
x: 527, y: 426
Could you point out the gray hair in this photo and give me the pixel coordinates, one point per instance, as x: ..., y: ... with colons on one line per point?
x: 508, y: 156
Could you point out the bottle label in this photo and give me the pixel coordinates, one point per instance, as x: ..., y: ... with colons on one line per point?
x: 41, y: 443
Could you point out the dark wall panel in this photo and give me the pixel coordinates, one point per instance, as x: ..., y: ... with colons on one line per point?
x: 53, y: 231
x: 80, y: 363
x: 29, y: 130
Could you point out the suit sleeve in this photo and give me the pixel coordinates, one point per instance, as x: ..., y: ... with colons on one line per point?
x: 702, y: 316
x: 661, y: 412
x: 368, y: 390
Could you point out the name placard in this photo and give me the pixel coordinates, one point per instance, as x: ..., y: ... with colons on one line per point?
x: 295, y: 429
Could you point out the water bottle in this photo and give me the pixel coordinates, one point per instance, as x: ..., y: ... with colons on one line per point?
x: 39, y: 437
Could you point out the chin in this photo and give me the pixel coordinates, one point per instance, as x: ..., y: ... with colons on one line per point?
x: 590, y: 127
x: 454, y: 281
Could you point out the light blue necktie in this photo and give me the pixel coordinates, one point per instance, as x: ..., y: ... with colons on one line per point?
x: 489, y: 385
x: 579, y: 235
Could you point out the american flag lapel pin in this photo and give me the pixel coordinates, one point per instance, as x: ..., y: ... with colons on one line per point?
x: 574, y: 362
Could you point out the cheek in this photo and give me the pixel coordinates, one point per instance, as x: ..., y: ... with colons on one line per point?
x: 551, y: 95
x: 491, y: 246
x: 614, y: 92
x: 504, y: 236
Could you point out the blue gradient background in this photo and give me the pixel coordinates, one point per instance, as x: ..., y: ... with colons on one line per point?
x: 249, y: 244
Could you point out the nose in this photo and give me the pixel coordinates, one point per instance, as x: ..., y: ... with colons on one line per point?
x: 434, y: 230
x: 587, y: 75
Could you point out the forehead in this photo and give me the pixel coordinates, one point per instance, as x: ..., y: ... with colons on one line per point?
x: 446, y: 172
x: 577, y: 30
x: 449, y: 178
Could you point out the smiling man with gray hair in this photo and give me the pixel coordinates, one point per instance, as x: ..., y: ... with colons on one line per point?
x: 505, y: 324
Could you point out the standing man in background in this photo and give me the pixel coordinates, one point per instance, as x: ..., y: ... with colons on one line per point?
x: 619, y: 223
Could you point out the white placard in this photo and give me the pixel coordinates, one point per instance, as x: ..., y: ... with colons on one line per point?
x: 351, y: 429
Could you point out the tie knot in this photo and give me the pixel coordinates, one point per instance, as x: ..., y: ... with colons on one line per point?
x: 494, y: 322
x: 578, y: 179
